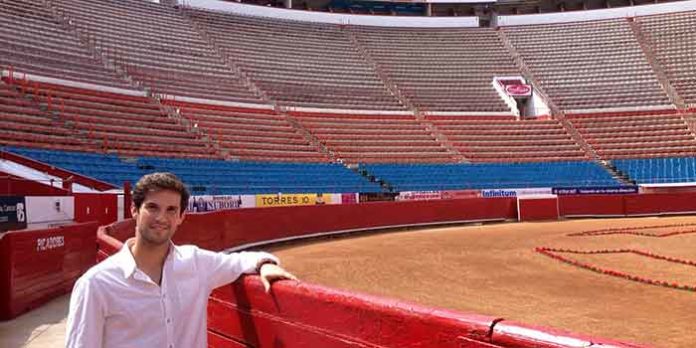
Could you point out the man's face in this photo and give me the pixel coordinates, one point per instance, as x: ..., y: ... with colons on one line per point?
x: 158, y: 217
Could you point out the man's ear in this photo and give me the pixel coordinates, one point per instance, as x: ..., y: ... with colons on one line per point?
x: 134, y: 210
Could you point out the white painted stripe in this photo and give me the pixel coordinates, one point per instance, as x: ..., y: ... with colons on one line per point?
x: 349, y: 111
x: 621, y: 109
x: 169, y: 97
x: 593, y: 15
x: 68, y: 83
x: 468, y: 113
x: 333, y: 18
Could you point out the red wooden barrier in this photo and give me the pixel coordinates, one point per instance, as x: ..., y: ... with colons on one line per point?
x: 628, y: 205
x: 591, y: 205
x: 305, y: 315
x: 100, y: 207
x: 537, y: 208
x: 38, y: 265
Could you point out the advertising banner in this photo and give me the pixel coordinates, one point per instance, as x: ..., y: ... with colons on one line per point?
x: 418, y: 195
x: 349, y: 198
x: 377, y: 197
x: 595, y: 190
x: 13, y: 213
x: 221, y: 202
x: 283, y: 200
x: 495, y: 193
x: 460, y: 194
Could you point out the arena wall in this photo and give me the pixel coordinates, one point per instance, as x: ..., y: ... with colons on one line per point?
x: 306, y: 315
x: 39, y: 265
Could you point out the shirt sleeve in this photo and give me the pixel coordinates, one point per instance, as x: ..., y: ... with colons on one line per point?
x: 221, y: 268
x: 85, y: 324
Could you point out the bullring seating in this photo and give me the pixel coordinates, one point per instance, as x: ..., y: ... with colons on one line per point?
x: 673, y: 41
x: 659, y: 170
x: 299, y: 64
x: 204, y: 176
x: 636, y: 135
x: 127, y: 125
x: 589, y: 65
x: 33, y: 42
x: 502, y: 139
x: 441, y: 69
x: 156, y: 46
x: 427, y: 177
x: 370, y: 139
x: 251, y: 134
x: 23, y: 123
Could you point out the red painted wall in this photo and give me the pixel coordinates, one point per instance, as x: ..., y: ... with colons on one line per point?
x: 591, y: 205
x: 38, y: 265
x: 229, y: 228
x: 11, y: 185
x: 628, y: 205
x: 535, y: 209
x: 96, y: 207
x: 306, y: 315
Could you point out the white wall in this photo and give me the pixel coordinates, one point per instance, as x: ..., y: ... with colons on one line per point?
x: 332, y: 18
x: 47, y: 210
x: 537, y: 106
x: 612, y: 13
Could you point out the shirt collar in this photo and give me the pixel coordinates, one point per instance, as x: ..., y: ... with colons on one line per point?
x: 127, y: 261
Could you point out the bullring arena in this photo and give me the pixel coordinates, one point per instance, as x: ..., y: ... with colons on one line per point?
x: 493, y: 173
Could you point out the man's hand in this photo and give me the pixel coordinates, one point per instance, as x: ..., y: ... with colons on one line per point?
x: 271, y: 272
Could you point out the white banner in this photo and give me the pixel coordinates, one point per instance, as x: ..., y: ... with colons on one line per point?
x: 220, y: 202
x: 516, y: 192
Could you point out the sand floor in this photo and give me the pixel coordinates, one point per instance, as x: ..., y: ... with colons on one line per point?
x: 494, y: 270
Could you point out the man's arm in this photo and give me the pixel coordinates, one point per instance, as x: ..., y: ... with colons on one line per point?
x: 221, y: 268
x: 85, y: 326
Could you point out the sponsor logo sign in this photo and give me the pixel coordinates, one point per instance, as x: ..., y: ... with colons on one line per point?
x: 13, y: 213
x: 519, y: 90
x: 515, y: 192
x: 595, y: 190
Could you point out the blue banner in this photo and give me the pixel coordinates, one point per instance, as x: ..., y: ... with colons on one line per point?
x: 595, y: 190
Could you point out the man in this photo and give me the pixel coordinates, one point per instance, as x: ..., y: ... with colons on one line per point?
x: 153, y: 293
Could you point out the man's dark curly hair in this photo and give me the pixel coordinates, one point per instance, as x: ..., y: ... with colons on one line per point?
x: 156, y: 182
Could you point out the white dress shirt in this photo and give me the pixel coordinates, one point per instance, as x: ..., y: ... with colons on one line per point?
x: 115, y: 304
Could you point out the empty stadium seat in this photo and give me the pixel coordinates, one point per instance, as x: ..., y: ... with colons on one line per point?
x: 427, y: 177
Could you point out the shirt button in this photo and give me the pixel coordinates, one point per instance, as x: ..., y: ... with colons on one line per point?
x: 169, y: 320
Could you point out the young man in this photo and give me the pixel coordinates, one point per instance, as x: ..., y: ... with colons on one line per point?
x: 153, y: 293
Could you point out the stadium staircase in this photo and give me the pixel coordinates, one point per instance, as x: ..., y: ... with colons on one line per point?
x: 647, y: 49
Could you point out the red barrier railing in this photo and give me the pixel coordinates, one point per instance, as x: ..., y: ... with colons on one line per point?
x: 36, y: 266
x: 306, y: 315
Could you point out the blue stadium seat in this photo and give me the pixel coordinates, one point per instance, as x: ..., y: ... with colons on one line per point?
x: 212, y: 176
x: 416, y: 177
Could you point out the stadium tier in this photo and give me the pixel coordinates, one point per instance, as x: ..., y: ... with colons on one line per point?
x: 591, y: 65
x: 156, y: 46
x: 673, y: 42
x: 636, y: 135
x: 370, y: 139
x: 299, y: 64
x: 33, y: 41
x: 211, y: 176
x: 140, y: 79
x: 504, y: 139
x: 659, y: 170
x: 443, y: 69
x: 430, y: 177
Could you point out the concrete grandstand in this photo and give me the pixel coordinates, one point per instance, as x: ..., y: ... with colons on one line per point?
x: 246, y: 100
